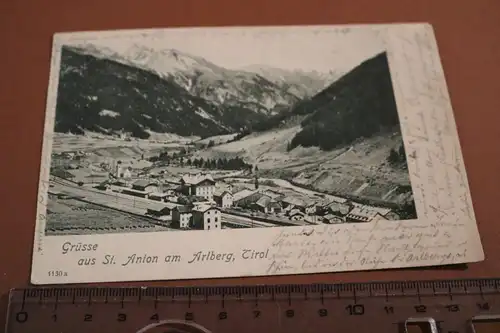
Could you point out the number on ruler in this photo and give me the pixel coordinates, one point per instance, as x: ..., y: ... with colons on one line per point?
x: 356, y: 309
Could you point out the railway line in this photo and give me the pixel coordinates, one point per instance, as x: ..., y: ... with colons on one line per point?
x: 130, y: 204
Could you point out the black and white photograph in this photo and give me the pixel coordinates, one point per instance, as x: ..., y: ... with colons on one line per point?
x: 157, y: 133
x: 183, y: 153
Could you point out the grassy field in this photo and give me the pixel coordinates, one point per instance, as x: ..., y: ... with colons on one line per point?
x: 69, y: 216
x: 360, y: 169
x: 68, y: 142
x: 218, y: 139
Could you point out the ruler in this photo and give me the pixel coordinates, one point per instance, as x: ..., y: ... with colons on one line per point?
x: 447, y: 306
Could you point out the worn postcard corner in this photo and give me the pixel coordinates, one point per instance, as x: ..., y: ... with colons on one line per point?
x: 219, y: 152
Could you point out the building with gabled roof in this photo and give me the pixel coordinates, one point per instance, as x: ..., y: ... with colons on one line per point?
x: 364, y: 214
x: 338, y: 209
x: 199, y: 185
x: 381, y: 210
x: 289, y: 203
x: 223, y: 199
x: 331, y: 219
x: 268, y: 205
x: 182, y: 217
x: 207, y: 218
x: 243, y: 194
x: 246, y: 197
x: 145, y: 185
x: 296, y: 214
x: 273, y: 194
x: 160, y: 210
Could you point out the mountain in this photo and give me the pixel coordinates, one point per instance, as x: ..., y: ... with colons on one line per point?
x: 358, y: 105
x: 102, y: 95
x: 340, y: 141
x: 303, y: 84
x: 201, y: 78
x: 361, y: 169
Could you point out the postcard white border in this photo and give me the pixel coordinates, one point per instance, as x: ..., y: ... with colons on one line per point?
x: 445, y: 232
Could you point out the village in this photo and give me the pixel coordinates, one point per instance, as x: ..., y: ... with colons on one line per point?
x: 193, y: 198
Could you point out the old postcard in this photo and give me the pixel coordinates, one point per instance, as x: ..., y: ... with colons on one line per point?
x: 249, y: 151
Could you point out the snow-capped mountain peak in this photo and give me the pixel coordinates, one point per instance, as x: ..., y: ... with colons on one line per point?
x: 164, y: 61
x: 254, y: 89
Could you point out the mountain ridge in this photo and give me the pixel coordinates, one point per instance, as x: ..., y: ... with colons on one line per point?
x: 138, y: 100
x: 302, y: 83
x: 358, y: 104
x: 203, y: 78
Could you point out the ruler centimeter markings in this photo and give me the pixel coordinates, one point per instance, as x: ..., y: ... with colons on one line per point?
x: 445, y: 306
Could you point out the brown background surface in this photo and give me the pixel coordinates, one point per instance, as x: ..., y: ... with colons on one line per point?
x: 468, y: 35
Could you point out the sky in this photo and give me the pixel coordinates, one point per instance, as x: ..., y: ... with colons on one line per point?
x: 287, y: 48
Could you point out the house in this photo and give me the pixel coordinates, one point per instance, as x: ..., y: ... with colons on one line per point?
x: 242, y: 194
x: 118, y: 183
x: 207, y: 218
x: 311, y: 208
x: 145, y: 186
x: 122, y: 170
x: 168, y: 188
x: 267, y: 205
x: 338, y: 209
x: 165, y: 193
x: 296, y: 215
x: 157, y: 196
x: 199, y: 185
x: 181, y: 217
x: 162, y: 211
x: 131, y: 191
x: 290, y: 203
x: 141, y: 188
x: 273, y: 194
x: 246, y: 197
x: 331, y: 219
x: 223, y: 199
x: 364, y: 214
x: 317, y: 206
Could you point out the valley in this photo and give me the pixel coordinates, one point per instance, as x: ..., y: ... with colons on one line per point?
x: 288, y: 146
